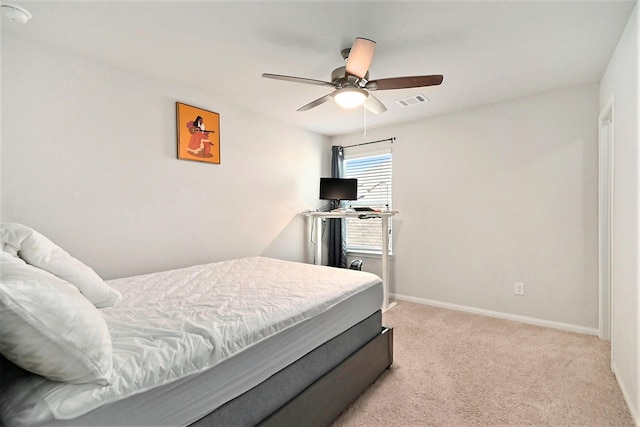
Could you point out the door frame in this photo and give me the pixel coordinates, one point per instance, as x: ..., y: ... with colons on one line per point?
x: 606, y: 175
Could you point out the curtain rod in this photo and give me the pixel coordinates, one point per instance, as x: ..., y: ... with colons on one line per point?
x: 393, y: 138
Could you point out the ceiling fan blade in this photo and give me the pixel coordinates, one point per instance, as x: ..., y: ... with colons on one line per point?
x: 360, y: 57
x: 297, y: 79
x: 315, y: 103
x: 374, y: 105
x: 404, y: 82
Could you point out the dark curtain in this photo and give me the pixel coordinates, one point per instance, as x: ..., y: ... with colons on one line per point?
x: 337, y: 256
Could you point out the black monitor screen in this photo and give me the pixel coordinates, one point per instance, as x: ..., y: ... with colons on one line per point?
x: 338, y: 188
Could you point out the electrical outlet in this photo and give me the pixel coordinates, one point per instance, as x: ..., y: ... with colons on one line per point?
x: 518, y: 288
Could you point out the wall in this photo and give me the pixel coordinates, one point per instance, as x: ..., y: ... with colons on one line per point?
x: 500, y: 194
x: 620, y: 83
x: 89, y: 159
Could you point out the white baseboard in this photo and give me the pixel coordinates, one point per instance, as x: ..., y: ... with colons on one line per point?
x: 625, y: 395
x: 499, y: 315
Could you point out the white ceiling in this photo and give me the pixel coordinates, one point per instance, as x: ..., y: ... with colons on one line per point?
x: 488, y: 51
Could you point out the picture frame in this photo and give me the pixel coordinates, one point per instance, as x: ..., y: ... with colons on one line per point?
x: 198, y: 134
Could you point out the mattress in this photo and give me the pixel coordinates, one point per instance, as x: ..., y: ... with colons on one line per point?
x: 199, y: 336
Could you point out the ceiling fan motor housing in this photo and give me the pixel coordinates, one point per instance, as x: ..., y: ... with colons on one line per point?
x: 340, y: 79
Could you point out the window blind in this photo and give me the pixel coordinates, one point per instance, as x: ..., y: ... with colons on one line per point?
x: 373, y: 173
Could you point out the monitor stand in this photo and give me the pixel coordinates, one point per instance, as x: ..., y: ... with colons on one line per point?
x: 342, y: 210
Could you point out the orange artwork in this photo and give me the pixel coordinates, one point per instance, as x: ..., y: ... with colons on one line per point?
x: 198, y: 134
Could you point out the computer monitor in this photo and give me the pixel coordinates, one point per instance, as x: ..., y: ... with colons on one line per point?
x: 338, y: 188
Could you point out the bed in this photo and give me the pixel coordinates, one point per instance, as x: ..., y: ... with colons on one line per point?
x: 250, y: 341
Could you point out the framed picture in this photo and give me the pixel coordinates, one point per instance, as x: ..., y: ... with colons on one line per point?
x: 198, y: 134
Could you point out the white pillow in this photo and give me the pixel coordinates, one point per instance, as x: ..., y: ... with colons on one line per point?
x: 49, y: 328
x: 41, y: 252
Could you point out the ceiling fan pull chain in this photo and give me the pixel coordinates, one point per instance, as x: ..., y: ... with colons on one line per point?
x: 364, y: 108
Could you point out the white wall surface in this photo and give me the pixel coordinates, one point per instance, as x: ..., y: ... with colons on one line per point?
x: 89, y: 160
x: 496, y: 195
x: 620, y: 83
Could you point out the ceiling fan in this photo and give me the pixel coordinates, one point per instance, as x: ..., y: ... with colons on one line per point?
x: 352, y: 84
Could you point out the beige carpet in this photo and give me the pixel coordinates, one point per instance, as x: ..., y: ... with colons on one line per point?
x: 459, y: 369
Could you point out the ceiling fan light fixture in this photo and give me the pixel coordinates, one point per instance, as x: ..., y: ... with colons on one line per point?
x: 350, y: 97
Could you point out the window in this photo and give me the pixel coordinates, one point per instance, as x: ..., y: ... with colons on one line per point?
x: 374, y: 190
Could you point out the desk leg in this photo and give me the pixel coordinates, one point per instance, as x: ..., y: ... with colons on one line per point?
x: 385, y: 264
x: 318, y: 255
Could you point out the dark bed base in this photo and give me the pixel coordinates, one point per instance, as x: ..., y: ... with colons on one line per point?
x: 325, y: 399
x: 314, y: 390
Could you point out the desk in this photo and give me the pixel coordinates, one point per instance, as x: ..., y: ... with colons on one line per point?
x: 385, y: 215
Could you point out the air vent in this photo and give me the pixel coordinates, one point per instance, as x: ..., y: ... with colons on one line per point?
x: 412, y: 100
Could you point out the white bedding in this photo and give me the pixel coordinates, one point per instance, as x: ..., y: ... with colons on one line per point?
x: 173, y: 324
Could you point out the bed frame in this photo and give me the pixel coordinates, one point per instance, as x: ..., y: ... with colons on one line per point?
x: 343, y: 384
x: 315, y: 389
